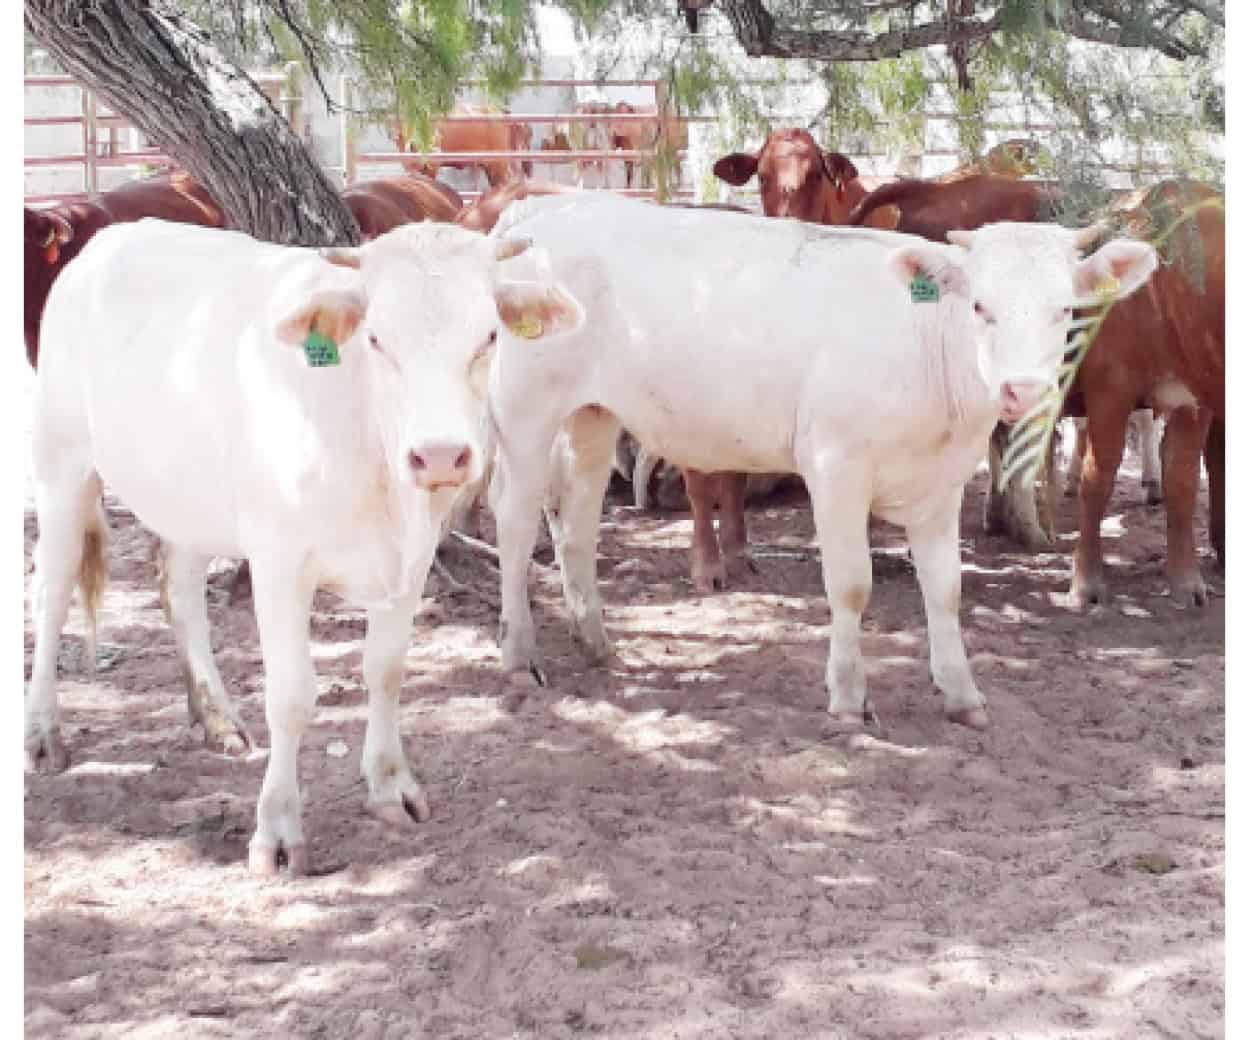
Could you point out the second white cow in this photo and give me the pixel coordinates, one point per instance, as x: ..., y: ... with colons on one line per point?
x: 872, y: 364
x: 177, y: 367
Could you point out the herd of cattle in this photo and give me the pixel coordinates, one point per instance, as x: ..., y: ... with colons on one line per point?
x: 333, y: 407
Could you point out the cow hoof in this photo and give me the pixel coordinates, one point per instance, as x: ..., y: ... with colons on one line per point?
x: 46, y: 753
x: 412, y: 808
x: 1087, y: 593
x: 1153, y: 492
x: 1188, y: 592
x: 972, y: 718
x: 224, y: 734
x: 265, y: 860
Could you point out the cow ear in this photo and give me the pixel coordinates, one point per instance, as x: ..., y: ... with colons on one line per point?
x: 840, y: 170
x: 336, y: 313
x: 530, y: 310
x: 341, y: 257
x: 61, y: 228
x: 1118, y: 269
x: 938, y: 264
x: 736, y: 169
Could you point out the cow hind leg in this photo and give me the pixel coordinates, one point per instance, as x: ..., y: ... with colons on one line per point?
x: 283, y: 599
x: 934, y: 546
x: 839, y: 505
x: 734, y: 546
x: 1181, y: 461
x: 587, y: 448
x: 707, y: 569
x: 1215, y: 473
x: 69, y: 552
x: 1075, y: 460
x: 394, y: 794
x: 182, y: 581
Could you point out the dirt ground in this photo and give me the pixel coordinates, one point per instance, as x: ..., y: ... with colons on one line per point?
x: 680, y: 845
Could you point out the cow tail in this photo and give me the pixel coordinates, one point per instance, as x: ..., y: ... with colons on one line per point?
x: 92, y: 577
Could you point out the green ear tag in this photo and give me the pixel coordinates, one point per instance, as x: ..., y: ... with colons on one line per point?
x: 320, y: 350
x: 924, y: 290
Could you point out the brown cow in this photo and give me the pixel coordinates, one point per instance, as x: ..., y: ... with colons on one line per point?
x: 931, y: 208
x: 385, y: 203
x: 797, y: 179
x: 511, y: 136
x: 54, y: 236
x: 1162, y: 347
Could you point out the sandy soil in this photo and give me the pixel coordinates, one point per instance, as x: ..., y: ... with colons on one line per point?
x: 678, y: 846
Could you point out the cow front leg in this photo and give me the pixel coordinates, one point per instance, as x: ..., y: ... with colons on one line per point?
x: 182, y: 581
x: 734, y: 545
x: 582, y: 465
x: 1181, y: 467
x: 283, y: 597
x: 1106, y: 430
x: 394, y: 794
x: 934, y: 547
x: 839, y: 505
x: 706, y: 566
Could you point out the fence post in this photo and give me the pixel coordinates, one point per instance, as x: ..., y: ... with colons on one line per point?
x: 661, y: 147
x: 346, y: 136
x: 91, y: 173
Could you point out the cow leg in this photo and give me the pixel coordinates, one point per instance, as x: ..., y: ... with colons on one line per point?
x: 1214, y: 474
x: 519, y: 487
x: 574, y: 509
x: 706, y: 566
x: 1181, y: 475
x: 283, y: 598
x: 934, y: 547
x: 839, y: 506
x: 734, y: 546
x: 1106, y: 431
x: 1013, y: 512
x: 394, y: 794
x: 68, y: 510
x: 643, y: 468
x: 993, y: 519
x: 182, y: 581
x: 1075, y: 463
x: 1147, y: 438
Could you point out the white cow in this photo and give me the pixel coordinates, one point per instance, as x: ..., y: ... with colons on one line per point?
x: 171, y: 368
x: 728, y: 342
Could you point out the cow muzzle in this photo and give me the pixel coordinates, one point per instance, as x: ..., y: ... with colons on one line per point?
x: 440, y: 464
x: 1017, y: 396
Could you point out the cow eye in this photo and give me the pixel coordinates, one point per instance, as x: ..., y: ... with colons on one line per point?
x: 982, y: 312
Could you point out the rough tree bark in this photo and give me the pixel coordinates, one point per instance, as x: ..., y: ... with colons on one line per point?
x: 163, y: 73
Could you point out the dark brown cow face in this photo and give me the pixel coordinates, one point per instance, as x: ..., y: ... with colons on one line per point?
x: 796, y: 178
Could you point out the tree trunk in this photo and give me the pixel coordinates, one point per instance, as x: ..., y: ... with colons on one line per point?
x: 163, y: 73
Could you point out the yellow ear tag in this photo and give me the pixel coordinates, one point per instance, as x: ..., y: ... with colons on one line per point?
x: 527, y: 326
x: 1108, y: 287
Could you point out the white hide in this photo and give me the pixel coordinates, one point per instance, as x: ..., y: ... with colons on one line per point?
x: 730, y: 342
x: 172, y: 367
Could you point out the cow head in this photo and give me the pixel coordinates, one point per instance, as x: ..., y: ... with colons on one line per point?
x: 415, y: 315
x: 796, y: 177
x: 1017, y: 285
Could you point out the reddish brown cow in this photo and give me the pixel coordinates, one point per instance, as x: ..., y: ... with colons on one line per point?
x: 797, y: 179
x: 382, y: 204
x: 54, y: 236
x: 511, y: 136
x: 1161, y: 348
x: 931, y: 208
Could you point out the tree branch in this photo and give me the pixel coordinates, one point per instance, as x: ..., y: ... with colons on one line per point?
x: 760, y: 35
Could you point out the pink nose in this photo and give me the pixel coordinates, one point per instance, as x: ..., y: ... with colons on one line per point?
x: 436, y: 464
x: 1016, y: 398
